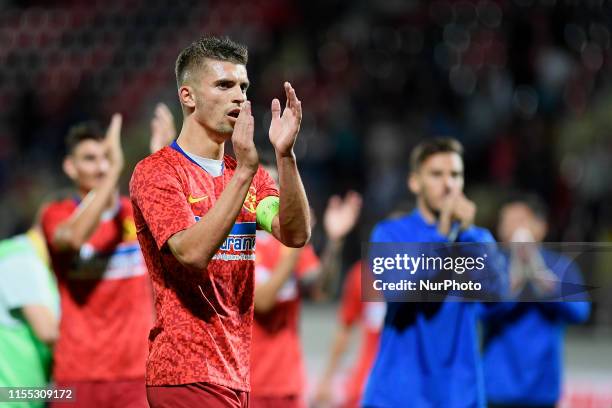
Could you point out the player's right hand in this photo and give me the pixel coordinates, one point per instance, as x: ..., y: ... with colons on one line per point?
x: 113, y: 143
x: 242, y: 139
x: 456, y: 207
x: 464, y: 211
x: 446, y: 214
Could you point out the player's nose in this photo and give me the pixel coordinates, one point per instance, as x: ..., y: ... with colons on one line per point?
x: 102, y: 165
x: 449, y: 183
x: 238, y: 95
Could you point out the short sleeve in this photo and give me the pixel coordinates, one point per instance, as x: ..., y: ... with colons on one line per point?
x: 307, y: 262
x: 156, y: 192
x: 264, y: 185
x: 351, y: 305
x: 24, y: 282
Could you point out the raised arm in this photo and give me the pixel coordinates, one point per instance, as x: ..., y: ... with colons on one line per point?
x: 339, y: 220
x: 76, y: 230
x: 292, y: 225
x: 163, y: 131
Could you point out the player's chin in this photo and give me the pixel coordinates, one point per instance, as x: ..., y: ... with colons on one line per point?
x: 435, y: 205
x: 226, y: 129
x: 90, y: 184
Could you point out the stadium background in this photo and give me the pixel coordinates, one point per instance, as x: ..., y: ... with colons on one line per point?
x: 526, y: 85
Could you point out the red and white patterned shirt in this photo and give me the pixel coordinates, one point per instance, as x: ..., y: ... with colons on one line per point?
x: 204, y: 318
x: 277, y: 366
x: 105, y: 295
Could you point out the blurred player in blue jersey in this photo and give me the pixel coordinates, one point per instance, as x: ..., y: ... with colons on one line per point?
x: 523, y: 342
x: 428, y: 355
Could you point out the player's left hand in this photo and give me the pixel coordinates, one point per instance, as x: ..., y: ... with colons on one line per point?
x: 284, y: 128
x: 341, y: 215
x: 163, y: 131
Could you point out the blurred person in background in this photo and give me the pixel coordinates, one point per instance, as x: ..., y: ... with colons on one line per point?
x: 428, y: 354
x: 523, y: 341
x: 353, y: 311
x: 106, y: 300
x: 29, y: 313
x: 282, y: 276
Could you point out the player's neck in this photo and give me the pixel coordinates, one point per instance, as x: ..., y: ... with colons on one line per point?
x: 197, y: 140
x: 429, y: 216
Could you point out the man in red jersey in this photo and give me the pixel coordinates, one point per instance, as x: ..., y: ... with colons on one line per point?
x: 106, y: 302
x: 282, y: 275
x: 196, y: 212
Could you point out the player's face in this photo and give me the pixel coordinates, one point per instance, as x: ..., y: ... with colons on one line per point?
x: 517, y: 216
x: 219, y: 89
x: 88, y: 164
x: 439, y: 175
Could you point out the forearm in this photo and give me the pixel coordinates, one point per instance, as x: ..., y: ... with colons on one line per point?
x: 294, y: 213
x: 327, y: 281
x: 43, y: 323
x: 339, y: 347
x: 75, y: 231
x: 265, y: 293
x: 195, y: 246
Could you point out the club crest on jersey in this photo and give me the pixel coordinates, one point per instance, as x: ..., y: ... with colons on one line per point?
x: 128, y: 229
x: 250, y: 200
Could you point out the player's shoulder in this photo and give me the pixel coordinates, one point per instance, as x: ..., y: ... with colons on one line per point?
x: 163, y: 160
x: 397, y: 221
x: 58, y: 209
x: 65, y: 204
x: 165, y: 157
x: 476, y: 234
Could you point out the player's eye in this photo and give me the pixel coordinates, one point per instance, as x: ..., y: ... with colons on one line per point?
x: 225, y: 84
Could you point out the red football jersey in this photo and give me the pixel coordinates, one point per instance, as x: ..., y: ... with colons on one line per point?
x: 106, y: 301
x: 371, y: 316
x: 277, y: 367
x: 204, y: 318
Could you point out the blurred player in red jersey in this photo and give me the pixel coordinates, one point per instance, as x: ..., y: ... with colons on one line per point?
x: 277, y: 368
x: 106, y: 302
x: 196, y: 211
x: 370, y: 316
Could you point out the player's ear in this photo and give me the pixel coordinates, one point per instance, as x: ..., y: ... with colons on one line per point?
x: 186, y: 96
x: 413, y: 183
x: 69, y: 168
